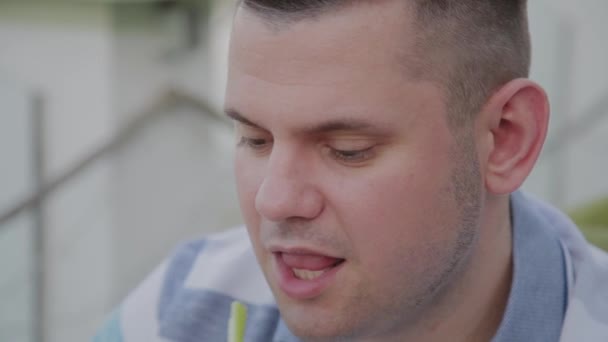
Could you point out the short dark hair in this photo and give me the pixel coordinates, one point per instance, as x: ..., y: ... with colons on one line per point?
x: 486, y: 42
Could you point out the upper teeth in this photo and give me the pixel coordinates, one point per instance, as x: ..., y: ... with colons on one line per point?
x: 307, y: 274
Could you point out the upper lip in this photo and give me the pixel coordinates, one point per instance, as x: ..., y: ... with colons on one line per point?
x: 295, y: 249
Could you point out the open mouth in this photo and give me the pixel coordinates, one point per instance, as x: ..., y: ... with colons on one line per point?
x: 305, y: 276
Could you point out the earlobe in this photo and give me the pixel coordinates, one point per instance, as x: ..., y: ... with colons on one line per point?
x: 518, y: 132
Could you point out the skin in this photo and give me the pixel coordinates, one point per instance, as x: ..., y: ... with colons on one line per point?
x: 339, y: 151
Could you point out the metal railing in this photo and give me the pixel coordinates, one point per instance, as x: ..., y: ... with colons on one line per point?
x: 170, y: 99
x: 33, y: 204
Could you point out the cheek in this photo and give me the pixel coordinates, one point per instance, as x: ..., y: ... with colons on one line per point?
x: 403, y: 214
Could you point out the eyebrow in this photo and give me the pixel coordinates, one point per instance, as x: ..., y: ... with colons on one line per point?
x: 236, y: 116
x: 334, y: 125
x: 346, y: 125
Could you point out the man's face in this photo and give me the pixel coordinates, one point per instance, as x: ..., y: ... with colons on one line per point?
x: 361, y: 206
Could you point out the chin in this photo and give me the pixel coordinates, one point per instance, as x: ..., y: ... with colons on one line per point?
x: 312, y: 323
x: 311, y: 332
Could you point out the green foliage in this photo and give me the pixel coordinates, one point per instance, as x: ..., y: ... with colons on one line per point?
x: 593, y: 220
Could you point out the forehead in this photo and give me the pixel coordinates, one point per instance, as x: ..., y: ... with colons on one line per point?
x: 364, y: 35
x: 347, y: 60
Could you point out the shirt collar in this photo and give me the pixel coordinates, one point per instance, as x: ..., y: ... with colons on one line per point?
x: 537, y: 300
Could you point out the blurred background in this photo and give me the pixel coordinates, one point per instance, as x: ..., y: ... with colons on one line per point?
x: 113, y: 148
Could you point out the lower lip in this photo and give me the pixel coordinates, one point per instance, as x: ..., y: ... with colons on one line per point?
x: 300, y: 289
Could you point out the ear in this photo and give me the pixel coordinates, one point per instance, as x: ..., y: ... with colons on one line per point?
x: 516, y: 120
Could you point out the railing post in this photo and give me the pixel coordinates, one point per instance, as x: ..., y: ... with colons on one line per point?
x: 39, y: 243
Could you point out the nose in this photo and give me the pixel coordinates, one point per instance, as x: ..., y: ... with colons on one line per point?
x: 287, y: 190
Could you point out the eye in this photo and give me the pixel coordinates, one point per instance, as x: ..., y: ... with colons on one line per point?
x: 256, y: 144
x: 352, y: 156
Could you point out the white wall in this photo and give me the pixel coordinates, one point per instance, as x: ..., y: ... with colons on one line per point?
x: 174, y: 182
x: 149, y: 56
x: 16, y: 181
x: 569, y: 60
x: 183, y: 156
x: 63, y: 50
x: 98, y: 66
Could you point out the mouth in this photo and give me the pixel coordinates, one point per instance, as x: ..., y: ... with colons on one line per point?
x: 304, y: 274
x: 313, y: 272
